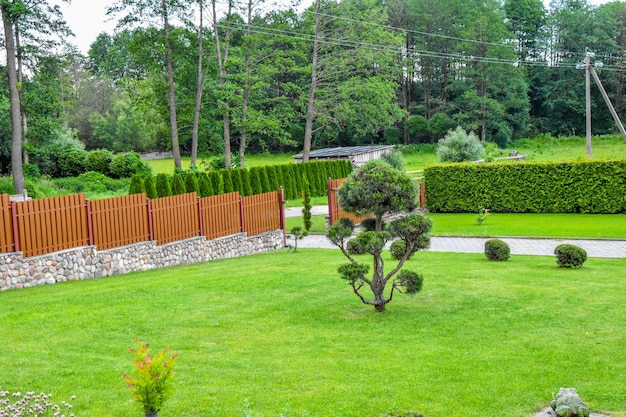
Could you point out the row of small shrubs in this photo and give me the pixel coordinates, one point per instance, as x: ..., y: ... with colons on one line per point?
x: 79, y: 161
x: 567, y: 255
x: 537, y: 187
x: 255, y: 180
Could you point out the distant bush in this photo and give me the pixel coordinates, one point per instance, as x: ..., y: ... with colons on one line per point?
x: 497, y: 250
x: 125, y: 165
x: 459, y: 146
x: 205, y: 186
x: 191, y: 183
x: 163, y: 187
x: 99, y: 160
x: 136, y: 185
x: 31, y: 171
x: 395, y: 159
x: 178, y: 184
x: 570, y: 256
x: 72, y: 164
x: 150, y: 186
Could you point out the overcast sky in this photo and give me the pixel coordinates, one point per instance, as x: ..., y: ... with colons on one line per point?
x: 87, y: 19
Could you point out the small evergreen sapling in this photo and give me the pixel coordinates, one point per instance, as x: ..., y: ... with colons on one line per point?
x: 306, y: 209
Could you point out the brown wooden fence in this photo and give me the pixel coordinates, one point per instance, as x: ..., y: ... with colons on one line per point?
x: 120, y: 221
x: 261, y: 212
x: 221, y: 215
x: 175, y: 218
x: 48, y: 225
x: 334, y: 211
x: 51, y: 224
x: 7, y: 243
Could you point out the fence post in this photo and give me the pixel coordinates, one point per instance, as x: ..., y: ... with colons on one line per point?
x: 330, y: 202
x: 89, y: 223
x: 200, y: 216
x: 241, y: 215
x: 281, y: 207
x: 16, y: 235
x: 150, y: 230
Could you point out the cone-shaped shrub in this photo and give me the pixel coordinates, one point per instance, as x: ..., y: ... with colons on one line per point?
x: 265, y: 180
x: 217, y: 181
x: 151, y: 191
x: 255, y: 180
x: 273, y: 179
x: 228, y: 181
x: 163, y: 187
x: 288, y: 181
x: 205, y: 186
x: 306, y: 201
x: 235, y: 175
x: 280, y: 180
x: 178, y: 184
x: 245, y: 180
x: 191, y: 183
x: 297, y: 176
x: 136, y: 185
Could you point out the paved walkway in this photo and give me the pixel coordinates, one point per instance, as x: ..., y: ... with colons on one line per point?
x: 603, y: 248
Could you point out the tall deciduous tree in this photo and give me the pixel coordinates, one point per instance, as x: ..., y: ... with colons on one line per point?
x: 163, y: 10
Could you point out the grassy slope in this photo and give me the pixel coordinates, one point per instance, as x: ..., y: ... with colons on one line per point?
x: 485, y: 339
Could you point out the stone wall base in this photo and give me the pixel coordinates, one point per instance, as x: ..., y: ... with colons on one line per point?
x: 87, y: 262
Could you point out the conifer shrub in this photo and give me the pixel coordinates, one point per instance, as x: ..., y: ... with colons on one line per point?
x: 306, y: 202
x: 280, y: 180
x: 191, y: 183
x: 178, y: 184
x: 217, y: 181
x: 497, y: 250
x: 570, y: 256
x: 245, y: 180
x: 163, y: 187
x: 136, y: 185
x: 288, y: 181
x: 255, y: 180
x: 228, y: 181
x: 265, y: 180
x: 150, y: 186
x: 272, y: 177
x: 236, y: 178
x: 297, y: 177
x: 205, y: 186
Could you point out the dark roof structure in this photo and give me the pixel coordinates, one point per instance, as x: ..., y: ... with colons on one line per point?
x: 357, y: 154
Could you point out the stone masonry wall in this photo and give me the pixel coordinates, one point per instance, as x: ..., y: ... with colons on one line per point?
x: 86, y: 262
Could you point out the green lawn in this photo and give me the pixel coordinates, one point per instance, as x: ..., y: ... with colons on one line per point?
x: 600, y: 226
x: 282, y: 330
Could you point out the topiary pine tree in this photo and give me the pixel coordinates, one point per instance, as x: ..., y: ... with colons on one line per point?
x: 178, y: 184
x: 266, y: 187
x: 205, y: 186
x: 228, y: 181
x: 306, y: 202
x: 163, y: 187
x: 255, y: 181
x: 378, y: 188
x: 136, y: 185
x: 191, y: 183
x: 151, y: 191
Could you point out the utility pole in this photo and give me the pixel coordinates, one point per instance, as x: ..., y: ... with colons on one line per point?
x: 589, y: 70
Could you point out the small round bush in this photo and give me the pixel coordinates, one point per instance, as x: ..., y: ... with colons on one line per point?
x: 570, y: 256
x: 497, y: 250
x: 99, y: 160
x: 459, y: 146
x: 125, y: 165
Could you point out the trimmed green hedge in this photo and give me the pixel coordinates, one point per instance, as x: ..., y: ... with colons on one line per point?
x: 533, y: 187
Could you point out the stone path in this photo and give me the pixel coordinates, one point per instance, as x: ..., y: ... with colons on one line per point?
x: 596, y: 248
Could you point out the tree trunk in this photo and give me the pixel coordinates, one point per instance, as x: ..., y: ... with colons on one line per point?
x: 20, y: 76
x: 310, y: 110
x: 172, y: 89
x: 221, y: 64
x: 246, y: 92
x: 199, y: 88
x: 14, y: 96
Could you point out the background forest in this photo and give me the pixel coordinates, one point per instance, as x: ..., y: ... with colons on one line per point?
x: 196, y: 77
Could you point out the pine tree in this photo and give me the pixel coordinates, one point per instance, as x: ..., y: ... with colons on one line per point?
x: 178, y: 185
x: 136, y: 185
x: 228, y: 181
x: 265, y: 180
x: 163, y: 187
x: 255, y: 180
x: 151, y: 191
x: 217, y: 182
x: 191, y: 183
x: 205, y: 186
x: 306, y: 202
x: 245, y: 180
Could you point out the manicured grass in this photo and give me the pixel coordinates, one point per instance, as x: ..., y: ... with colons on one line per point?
x: 283, y: 330
x: 606, y: 226
x: 318, y: 223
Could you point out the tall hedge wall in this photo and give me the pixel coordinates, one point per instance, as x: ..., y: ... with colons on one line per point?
x: 566, y: 187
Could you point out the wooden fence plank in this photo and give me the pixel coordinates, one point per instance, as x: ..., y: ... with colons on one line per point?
x: 261, y: 213
x: 334, y: 210
x: 220, y: 215
x: 7, y: 243
x: 175, y: 218
x: 119, y: 221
